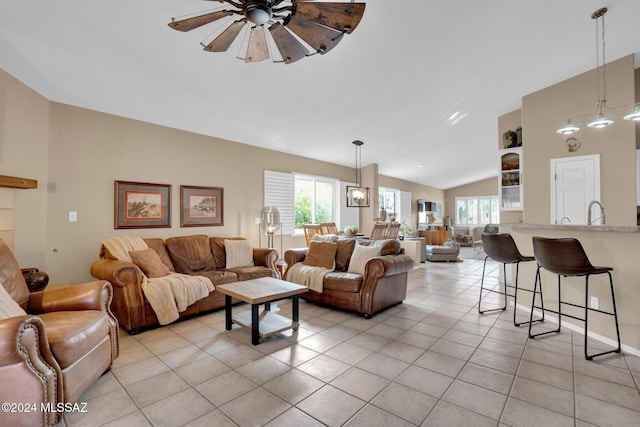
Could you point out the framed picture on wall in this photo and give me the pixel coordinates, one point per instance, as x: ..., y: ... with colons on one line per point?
x: 142, y: 205
x: 201, y: 206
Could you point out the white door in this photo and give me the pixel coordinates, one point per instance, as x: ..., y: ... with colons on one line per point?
x: 575, y: 181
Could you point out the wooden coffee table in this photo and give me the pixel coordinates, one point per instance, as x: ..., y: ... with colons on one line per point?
x: 264, y: 290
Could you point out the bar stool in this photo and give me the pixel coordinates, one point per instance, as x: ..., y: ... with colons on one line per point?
x: 502, y: 248
x: 566, y: 258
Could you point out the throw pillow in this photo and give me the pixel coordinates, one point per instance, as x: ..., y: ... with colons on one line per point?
x: 361, y: 255
x: 8, y: 307
x: 239, y: 253
x: 321, y: 254
x: 149, y: 262
x: 325, y: 237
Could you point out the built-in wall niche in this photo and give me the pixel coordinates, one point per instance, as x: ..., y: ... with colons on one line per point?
x: 428, y: 212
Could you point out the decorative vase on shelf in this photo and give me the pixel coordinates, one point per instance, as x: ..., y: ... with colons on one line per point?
x: 383, y: 214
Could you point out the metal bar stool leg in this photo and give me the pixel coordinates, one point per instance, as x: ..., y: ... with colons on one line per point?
x: 482, y: 290
x: 533, y: 305
x: 586, y: 314
x: 515, y: 302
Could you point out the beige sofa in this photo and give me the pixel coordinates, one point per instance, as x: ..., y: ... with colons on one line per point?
x: 193, y: 255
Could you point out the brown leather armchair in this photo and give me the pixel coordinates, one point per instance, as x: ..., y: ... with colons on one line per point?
x: 51, y: 355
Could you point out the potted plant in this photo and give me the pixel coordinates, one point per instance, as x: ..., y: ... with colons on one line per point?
x: 351, y: 230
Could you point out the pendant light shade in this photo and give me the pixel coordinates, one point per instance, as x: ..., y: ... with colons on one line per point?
x: 568, y: 129
x: 358, y: 196
x: 635, y: 115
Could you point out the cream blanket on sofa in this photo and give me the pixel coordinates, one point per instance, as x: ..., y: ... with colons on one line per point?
x: 308, y: 275
x: 168, y: 295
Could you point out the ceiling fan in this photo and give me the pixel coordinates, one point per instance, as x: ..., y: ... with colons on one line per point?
x: 298, y: 28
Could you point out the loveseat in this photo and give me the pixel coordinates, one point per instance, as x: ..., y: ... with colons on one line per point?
x: 53, y: 345
x: 465, y: 235
x: 373, y: 285
x: 196, y: 255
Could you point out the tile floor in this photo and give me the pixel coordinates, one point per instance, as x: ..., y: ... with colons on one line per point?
x: 431, y: 361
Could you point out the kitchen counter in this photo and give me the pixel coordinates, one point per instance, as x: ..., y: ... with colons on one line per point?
x: 576, y: 227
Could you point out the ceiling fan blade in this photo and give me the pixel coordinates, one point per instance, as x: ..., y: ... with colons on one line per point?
x: 258, y: 49
x: 343, y: 17
x: 224, y: 40
x: 290, y: 48
x: 319, y: 37
x: 198, y: 21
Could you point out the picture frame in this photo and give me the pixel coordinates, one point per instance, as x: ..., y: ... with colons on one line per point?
x: 141, y: 205
x: 201, y: 206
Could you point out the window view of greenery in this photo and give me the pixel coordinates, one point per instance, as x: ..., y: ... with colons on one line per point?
x: 314, y: 201
x: 475, y: 210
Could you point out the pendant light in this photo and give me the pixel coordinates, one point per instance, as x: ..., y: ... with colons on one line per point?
x: 601, y: 119
x: 358, y: 196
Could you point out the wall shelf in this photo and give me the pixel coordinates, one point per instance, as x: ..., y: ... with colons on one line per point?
x: 15, y: 182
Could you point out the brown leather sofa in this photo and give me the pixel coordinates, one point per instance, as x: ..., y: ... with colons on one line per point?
x: 383, y: 284
x: 50, y: 356
x: 195, y: 255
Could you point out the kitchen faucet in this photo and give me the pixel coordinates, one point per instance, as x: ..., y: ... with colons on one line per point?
x: 591, y: 203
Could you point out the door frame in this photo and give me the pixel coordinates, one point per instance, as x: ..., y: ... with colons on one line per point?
x: 552, y: 170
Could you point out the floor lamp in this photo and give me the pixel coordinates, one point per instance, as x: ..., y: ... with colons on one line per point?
x: 269, y: 224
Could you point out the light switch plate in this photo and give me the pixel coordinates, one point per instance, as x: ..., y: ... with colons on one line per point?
x: 73, y: 216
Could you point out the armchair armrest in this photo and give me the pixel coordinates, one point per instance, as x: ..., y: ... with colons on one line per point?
x: 87, y: 296
x: 119, y: 273
x: 388, y: 265
x: 265, y: 257
x: 26, y: 360
x: 293, y: 256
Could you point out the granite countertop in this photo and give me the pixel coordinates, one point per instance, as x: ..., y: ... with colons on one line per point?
x: 577, y: 227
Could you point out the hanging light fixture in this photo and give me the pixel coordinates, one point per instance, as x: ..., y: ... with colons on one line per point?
x: 358, y: 196
x: 601, y: 120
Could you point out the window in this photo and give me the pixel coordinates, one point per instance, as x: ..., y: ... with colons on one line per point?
x: 387, y: 200
x: 306, y: 199
x: 477, y: 210
x: 315, y: 200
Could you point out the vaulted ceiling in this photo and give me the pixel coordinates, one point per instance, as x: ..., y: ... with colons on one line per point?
x: 420, y: 82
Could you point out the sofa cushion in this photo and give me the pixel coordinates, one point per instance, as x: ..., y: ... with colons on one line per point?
x: 341, y: 281
x: 343, y: 254
x: 191, y: 253
x: 218, y: 277
x: 238, y: 253
x: 71, y: 335
x: 361, y: 255
x: 321, y: 254
x: 157, y: 244
x: 149, y: 262
x: 252, y: 272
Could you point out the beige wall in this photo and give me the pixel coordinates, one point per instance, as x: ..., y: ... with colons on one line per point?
x: 24, y: 136
x: 77, y: 154
x: 547, y: 110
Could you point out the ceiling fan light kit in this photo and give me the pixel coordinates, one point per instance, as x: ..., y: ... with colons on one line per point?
x: 298, y: 28
x: 601, y: 119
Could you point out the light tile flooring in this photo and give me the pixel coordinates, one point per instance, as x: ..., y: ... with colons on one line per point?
x: 431, y: 361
